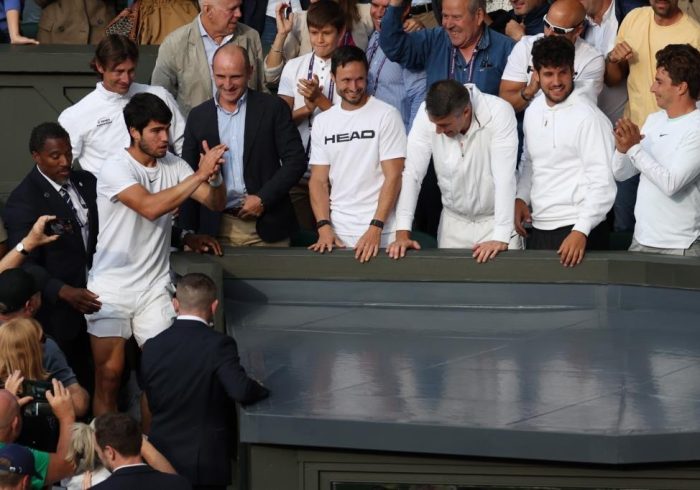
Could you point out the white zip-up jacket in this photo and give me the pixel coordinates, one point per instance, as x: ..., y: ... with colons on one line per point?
x: 475, y: 171
x: 97, y: 129
x: 565, y: 169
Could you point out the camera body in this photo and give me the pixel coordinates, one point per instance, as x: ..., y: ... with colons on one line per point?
x: 39, y: 406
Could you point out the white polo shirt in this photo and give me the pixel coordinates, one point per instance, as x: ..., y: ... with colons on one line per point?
x: 97, y: 129
x: 589, y: 65
x: 298, y: 68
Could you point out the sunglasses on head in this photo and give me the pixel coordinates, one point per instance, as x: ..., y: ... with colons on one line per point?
x: 557, y: 29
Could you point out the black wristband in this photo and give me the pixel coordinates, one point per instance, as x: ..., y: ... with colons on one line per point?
x: 322, y: 222
x: 378, y: 223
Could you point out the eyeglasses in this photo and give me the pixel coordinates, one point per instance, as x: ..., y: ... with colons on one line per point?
x: 557, y: 29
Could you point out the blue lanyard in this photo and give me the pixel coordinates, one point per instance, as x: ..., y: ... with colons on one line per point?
x: 370, y: 56
x: 453, y: 63
x: 331, y: 86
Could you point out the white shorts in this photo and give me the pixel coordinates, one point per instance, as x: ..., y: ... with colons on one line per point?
x: 456, y: 231
x: 142, y: 313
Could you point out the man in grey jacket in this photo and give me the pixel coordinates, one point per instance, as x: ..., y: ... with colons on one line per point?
x: 184, y: 59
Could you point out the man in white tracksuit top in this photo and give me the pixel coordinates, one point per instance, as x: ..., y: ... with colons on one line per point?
x: 96, y: 123
x: 473, y: 140
x: 565, y: 170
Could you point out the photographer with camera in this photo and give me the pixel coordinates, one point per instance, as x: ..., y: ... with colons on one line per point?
x: 21, y: 365
x: 52, y: 187
x: 20, y: 298
x: 49, y: 467
x: 35, y: 238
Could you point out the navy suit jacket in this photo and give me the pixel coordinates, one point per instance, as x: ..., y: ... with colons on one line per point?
x: 64, y: 261
x: 191, y: 375
x: 273, y: 162
x: 142, y: 478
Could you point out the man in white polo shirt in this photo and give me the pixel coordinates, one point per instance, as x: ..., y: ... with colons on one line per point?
x: 95, y: 123
x: 357, y: 155
x: 473, y: 140
x: 667, y: 155
x: 565, y: 18
x: 137, y: 192
x: 565, y: 170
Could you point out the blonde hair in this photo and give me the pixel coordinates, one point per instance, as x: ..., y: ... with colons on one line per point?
x: 20, y: 348
x: 81, y: 451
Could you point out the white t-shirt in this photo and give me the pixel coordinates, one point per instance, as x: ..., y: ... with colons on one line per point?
x: 133, y: 252
x: 589, y: 66
x: 97, y: 129
x: 602, y: 37
x: 354, y: 143
x: 298, y: 68
x: 668, y: 198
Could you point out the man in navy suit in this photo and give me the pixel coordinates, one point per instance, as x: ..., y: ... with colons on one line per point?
x: 265, y: 157
x: 51, y: 187
x: 196, y: 432
x: 119, y: 441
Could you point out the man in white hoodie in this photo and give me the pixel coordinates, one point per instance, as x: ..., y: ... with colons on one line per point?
x: 473, y: 140
x: 565, y: 173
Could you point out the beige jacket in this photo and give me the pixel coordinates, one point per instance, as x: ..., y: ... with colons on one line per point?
x: 74, y: 21
x: 182, y: 68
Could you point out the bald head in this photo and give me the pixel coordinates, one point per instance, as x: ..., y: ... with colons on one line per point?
x: 567, y: 14
x: 230, y: 53
x: 9, y: 411
x: 232, y: 71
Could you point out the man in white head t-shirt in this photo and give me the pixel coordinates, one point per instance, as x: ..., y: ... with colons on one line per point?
x: 136, y: 194
x: 358, y: 149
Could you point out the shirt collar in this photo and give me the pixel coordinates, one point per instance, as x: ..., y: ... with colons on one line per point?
x: 193, y: 318
x: 112, y: 96
x: 203, y: 32
x: 606, y: 15
x: 55, y: 185
x: 241, y: 102
x: 128, y: 466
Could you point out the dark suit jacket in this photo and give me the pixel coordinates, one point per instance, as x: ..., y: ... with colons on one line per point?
x: 143, y: 478
x: 62, y: 262
x: 270, y: 138
x: 191, y: 376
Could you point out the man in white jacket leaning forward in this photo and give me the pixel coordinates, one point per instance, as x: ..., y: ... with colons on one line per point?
x: 473, y: 140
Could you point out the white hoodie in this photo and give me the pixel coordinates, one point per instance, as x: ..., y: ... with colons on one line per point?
x: 565, y: 169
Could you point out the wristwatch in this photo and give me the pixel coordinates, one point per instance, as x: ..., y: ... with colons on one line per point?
x: 378, y: 223
x: 20, y: 248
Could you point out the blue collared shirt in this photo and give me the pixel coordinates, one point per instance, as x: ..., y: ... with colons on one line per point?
x: 388, y: 81
x: 232, y: 134
x: 210, y: 48
x: 432, y: 51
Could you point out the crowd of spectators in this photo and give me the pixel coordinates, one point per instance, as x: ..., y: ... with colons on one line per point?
x: 543, y: 127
